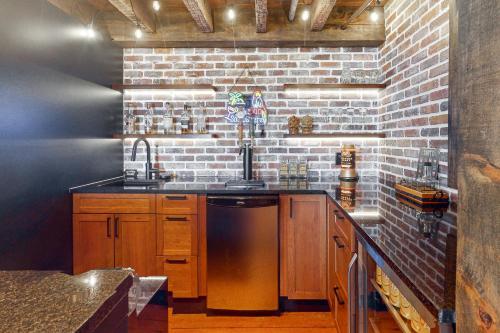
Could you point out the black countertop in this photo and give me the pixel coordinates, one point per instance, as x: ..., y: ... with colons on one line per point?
x: 385, y: 226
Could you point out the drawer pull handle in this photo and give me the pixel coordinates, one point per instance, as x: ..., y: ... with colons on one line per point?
x: 176, y: 197
x: 339, y: 244
x: 173, y: 218
x: 108, y: 227
x: 117, y: 220
x: 177, y: 261
x: 340, y: 217
x: 339, y: 299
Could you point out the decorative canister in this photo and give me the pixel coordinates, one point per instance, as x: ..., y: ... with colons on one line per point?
x: 394, y: 296
x: 293, y: 125
x: 378, y: 275
x: 404, y: 307
x: 386, y: 284
x: 140, y: 124
x: 415, y: 320
x: 348, y: 157
x: 306, y: 124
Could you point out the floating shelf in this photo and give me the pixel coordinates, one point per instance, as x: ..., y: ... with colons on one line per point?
x: 163, y: 87
x: 334, y: 86
x: 337, y: 135
x: 166, y: 136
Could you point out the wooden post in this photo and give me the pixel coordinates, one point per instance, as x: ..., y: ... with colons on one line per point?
x: 475, y: 138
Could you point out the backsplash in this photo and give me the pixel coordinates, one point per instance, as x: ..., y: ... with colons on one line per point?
x: 270, y: 69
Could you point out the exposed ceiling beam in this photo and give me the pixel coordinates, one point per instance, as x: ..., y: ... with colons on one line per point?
x: 201, y: 13
x: 293, y: 9
x: 138, y: 12
x: 78, y: 9
x: 320, y: 12
x: 261, y: 15
x: 358, y: 12
x: 181, y: 32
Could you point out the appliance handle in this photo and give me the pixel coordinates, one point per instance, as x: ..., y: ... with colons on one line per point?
x: 351, y: 297
x: 242, y: 201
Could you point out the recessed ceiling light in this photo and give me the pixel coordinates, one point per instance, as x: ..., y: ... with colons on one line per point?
x: 156, y: 5
x: 374, y: 16
x: 231, y: 13
x: 90, y: 32
x: 138, y: 33
x: 305, y: 15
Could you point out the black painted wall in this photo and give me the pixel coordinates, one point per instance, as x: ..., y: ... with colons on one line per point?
x: 57, y: 115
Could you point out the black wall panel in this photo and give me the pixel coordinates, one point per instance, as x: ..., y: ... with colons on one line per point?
x: 57, y: 115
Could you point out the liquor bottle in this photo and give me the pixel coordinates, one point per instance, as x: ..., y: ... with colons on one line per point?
x: 185, y: 120
x: 168, y: 119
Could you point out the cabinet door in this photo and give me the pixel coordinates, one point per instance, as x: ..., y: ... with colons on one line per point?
x: 134, y: 242
x: 92, y: 242
x: 331, y: 282
x: 306, y: 247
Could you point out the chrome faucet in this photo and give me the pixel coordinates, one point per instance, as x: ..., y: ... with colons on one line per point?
x: 149, y: 167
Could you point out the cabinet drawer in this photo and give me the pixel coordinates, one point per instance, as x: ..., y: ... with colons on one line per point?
x: 177, y: 235
x: 100, y: 203
x: 343, y: 225
x: 182, y: 272
x: 342, y: 259
x: 341, y: 310
x: 177, y: 204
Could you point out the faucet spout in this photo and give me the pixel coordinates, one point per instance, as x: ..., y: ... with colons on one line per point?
x: 148, y: 155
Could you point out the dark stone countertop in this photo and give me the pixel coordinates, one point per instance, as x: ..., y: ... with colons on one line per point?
x: 388, y: 228
x: 48, y: 301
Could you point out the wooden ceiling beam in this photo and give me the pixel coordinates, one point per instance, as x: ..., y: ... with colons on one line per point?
x: 261, y: 15
x: 180, y: 32
x: 292, y: 10
x: 138, y: 12
x: 202, y: 14
x: 320, y: 12
x: 80, y: 10
x: 358, y: 11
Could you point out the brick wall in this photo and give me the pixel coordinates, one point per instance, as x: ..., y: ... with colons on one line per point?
x: 270, y: 69
x: 413, y: 113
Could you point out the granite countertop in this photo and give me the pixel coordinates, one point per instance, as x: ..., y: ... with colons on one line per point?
x: 48, y: 301
x: 388, y: 227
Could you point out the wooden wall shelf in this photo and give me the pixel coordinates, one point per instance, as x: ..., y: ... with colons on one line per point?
x: 166, y: 136
x: 173, y: 87
x: 334, y: 86
x: 360, y: 135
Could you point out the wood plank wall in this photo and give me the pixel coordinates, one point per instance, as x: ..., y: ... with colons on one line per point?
x: 475, y: 132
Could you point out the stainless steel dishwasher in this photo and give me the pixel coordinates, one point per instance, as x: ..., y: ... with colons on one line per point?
x: 242, y: 253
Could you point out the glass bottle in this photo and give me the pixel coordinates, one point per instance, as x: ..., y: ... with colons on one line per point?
x: 201, y: 121
x: 185, y: 119
x: 168, y: 119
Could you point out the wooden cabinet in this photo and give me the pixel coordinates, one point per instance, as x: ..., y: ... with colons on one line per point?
x: 341, y: 242
x: 103, y: 203
x: 177, y: 204
x: 93, y: 242
x: 133, y: 242
x: 305, y: 252
x: 182, y: 272
x: 113, y: 230
x: 113, y: 240
x: 177, y: 234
